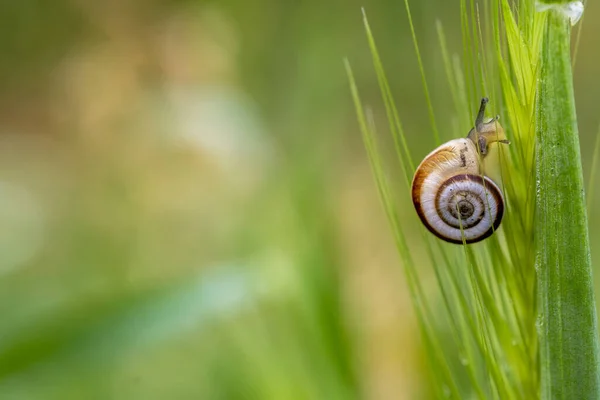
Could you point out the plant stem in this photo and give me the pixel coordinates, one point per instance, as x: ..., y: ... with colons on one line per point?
x: 567, y: 324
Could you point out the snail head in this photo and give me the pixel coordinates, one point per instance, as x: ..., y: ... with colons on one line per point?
x: 486, y: 132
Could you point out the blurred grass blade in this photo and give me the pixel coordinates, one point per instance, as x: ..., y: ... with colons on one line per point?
x: 592, y: 178
x: 121, y: 323
x: 567, y: 324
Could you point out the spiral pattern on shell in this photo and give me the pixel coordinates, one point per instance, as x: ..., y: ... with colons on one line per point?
x: 452, y: 199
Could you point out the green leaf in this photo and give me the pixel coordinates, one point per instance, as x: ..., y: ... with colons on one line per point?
x: 567, y: 324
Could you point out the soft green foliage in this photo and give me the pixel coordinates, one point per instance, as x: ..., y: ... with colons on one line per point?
x: 568, y: 324
x: 249, y: 262
x: 488, y: 290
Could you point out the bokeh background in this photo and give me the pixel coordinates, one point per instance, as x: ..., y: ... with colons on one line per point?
x: 186, y: 208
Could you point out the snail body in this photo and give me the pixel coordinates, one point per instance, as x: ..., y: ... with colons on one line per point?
x: 452, y: 197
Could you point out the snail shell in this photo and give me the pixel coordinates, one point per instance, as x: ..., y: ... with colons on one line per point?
x: 452, y: 197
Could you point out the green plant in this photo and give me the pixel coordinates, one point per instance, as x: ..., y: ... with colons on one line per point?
x: 515, y: 334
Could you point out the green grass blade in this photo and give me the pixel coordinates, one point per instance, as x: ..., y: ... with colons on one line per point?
x: 567, y: 324
x: 448, y: 294
x: 402, y: 150
x: 422, y: 311
x: 436, y: 134
x: 467, y: 52
x: 488, y: 291
x: 449, y: 69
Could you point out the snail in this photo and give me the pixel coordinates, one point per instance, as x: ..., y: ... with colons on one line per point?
x: 452, y: 197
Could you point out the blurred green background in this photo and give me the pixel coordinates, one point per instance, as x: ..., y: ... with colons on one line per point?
x: 186, y: 209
